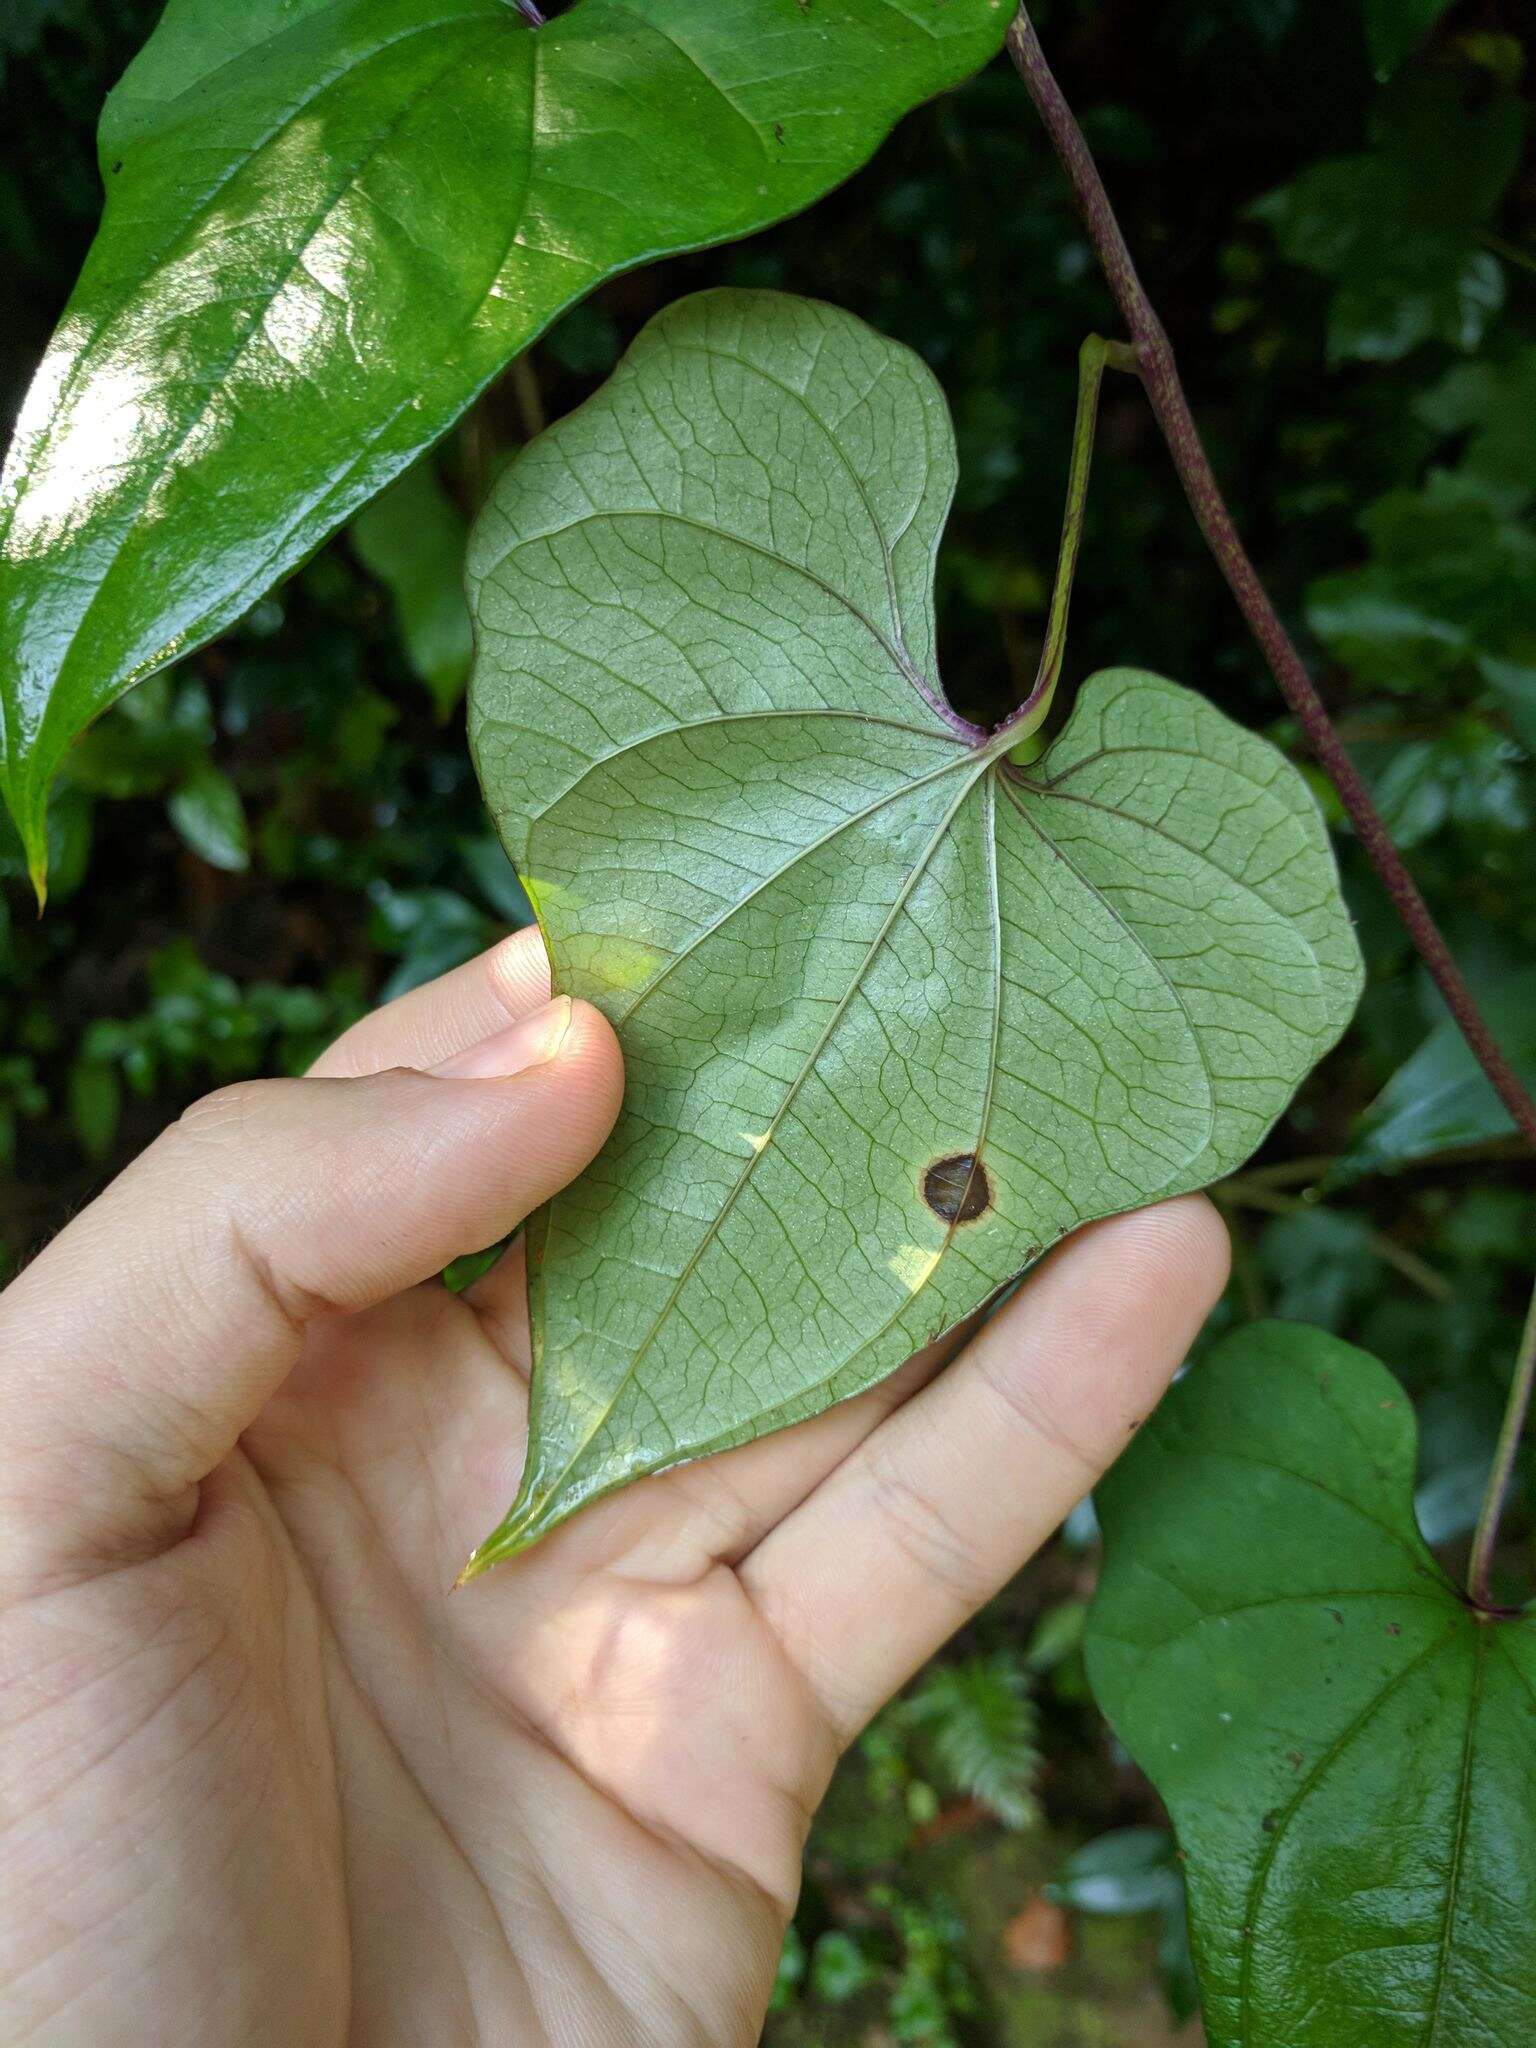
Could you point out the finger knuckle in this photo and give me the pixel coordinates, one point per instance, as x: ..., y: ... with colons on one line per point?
x: 922, y: 1534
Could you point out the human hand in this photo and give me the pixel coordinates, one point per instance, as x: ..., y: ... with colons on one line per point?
x: 261, y: 1781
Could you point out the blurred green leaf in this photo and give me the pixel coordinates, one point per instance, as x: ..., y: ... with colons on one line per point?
x: 22, y: 23
x: 1318, y: 1265
x: 1441, y: 1097
x: 1058, y: 1634
x: 1447, y: 599
x: 1395, y: 28
x: 1343, y: 1744
x: 21, y: 1095
x: 839, y: 1968
x: 95, y: 1105
x: 1469, y: 776
x: 1396, y: 227
x: 985, y: 1732
x: 1131, y: 1871
x: 412, y: 537
x: 791, y: 1971
x: 495, y: 879
x: 1458, y: 1427
x: 209, y: 816
x: 432, y: 930
x: 1493, y: 402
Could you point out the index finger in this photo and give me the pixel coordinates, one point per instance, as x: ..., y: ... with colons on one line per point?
x: 431, y: 1023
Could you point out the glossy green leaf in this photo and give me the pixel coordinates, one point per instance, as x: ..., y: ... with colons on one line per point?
x: 1344, y: 1746
x: 412, y: 537
x: 1440, y: 1098
x: 329, y: 224
x: 848, y: 946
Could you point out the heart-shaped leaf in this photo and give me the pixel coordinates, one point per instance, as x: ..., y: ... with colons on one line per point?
x: 896, y: 1012
x: 329, y: 224
x: 1344, y: 1744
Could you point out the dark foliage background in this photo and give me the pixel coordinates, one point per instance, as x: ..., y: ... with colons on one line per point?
x: 1338, y: 220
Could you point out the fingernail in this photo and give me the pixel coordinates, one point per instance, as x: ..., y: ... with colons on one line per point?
x: 530, y: 1042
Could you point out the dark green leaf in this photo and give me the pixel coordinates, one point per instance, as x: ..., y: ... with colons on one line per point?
x: 1395, y: 28
x: 330, y: 223
x: 1448, y: 598
x: 1396, y: 227
x: 1495, y: 403
x: 1468, y: 776
x: 1343, y: 1744
x: 95, y: 1105
x: 412, y: 537
x: 1441, y: 1097
x: 495, y: 879
x: 848, y: 945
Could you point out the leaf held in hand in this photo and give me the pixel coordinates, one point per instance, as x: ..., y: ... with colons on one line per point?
x: 865, y: 970
x: 1344, y: 1744
x: 329, y: 223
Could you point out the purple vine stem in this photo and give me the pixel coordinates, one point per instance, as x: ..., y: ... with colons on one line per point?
x: 1154, y: 361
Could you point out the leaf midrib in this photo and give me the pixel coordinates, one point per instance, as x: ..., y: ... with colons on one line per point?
x: 891, y: 796
x: 716, y: 1222
x: 1259, y: 1883
x: 1463, y: 1818
x: 765, y: 1417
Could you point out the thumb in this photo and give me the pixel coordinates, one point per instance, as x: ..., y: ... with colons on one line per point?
x: 155, y: 1328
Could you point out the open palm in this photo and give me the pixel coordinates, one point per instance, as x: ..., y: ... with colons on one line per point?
x: 264, y: 1781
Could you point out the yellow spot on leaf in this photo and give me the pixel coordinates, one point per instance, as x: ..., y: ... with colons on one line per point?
x: 913, y: 1266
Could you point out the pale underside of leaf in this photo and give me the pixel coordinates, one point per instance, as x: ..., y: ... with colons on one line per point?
x: 842, y: 938
x: 1343, y: 1744
x: 328, y: 226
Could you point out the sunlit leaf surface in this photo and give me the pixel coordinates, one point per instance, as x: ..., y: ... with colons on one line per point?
x: 329, y: 224
x: 895, y: 1014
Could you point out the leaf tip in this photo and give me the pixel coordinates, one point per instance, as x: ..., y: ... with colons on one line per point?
x: 34, y: 839
x: 528, y: 1520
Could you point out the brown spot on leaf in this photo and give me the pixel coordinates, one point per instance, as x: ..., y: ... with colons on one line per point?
x: 957, y: 1188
